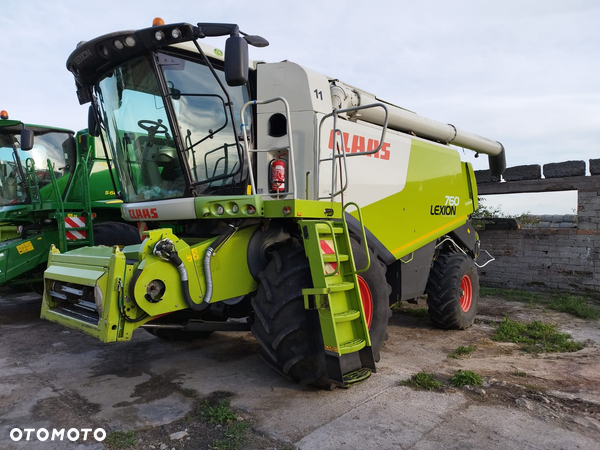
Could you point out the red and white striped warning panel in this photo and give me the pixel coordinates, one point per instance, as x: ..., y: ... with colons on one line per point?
x: 75, y: 222
x: 327, y: 249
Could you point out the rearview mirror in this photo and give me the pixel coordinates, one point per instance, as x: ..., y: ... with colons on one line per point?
x: 26, y: 139
x: 93, y: 128
x: 236, y: 61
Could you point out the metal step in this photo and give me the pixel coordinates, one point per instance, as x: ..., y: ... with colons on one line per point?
x: 324, y: 229
x: 356, y: 376
x: 346, y: 316
x: 340, y: 287
x: 351, y: 346
x: 332, y: 259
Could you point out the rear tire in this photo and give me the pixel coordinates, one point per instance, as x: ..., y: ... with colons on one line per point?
x: 453, y: 292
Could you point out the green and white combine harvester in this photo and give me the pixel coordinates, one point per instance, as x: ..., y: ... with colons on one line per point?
x: 298, y: 207
x: 52, y: 184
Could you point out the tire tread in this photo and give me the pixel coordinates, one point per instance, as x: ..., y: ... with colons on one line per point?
x: 443, y: 291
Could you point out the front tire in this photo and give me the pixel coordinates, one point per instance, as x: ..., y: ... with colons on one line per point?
x: 289, y: 335
x: 374, y: 286
x: 453, y: 292
x: 115, y: 233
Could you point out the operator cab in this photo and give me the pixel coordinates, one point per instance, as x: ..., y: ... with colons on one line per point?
x: 170, y: 118
x: 54, y: 145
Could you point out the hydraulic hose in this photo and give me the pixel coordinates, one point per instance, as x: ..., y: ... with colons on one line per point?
x: 165, y: 249
x: 210, y: 251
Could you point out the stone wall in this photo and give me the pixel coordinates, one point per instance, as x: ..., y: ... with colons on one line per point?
x: 553, y: 255
x: 542, y: 259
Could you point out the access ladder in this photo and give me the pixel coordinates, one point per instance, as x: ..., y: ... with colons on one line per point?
x: 78, y: 232
x: 337, y: 298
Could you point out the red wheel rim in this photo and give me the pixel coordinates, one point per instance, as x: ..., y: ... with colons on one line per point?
x: 466, y: 293
x: 367, y: 299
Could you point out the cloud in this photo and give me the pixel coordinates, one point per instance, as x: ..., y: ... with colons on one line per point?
x: 523, y: 73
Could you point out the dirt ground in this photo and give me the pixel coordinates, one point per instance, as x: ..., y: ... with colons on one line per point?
x: 52, y: 377
x: 553, y: 386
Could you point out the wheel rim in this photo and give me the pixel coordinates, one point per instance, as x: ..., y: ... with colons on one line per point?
x: 466, y: 297
x: 367, y: 299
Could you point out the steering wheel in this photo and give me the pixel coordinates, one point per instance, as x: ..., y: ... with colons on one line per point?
x: 153, y: 127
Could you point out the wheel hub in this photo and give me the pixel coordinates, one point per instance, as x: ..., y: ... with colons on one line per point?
x: 466, y: 293
x: 367, y: 299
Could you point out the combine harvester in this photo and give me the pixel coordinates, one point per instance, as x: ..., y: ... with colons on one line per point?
x: 52, y: 184
x: 278, y: 200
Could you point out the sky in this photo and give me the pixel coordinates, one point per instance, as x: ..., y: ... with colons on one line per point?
x: 522, y: 72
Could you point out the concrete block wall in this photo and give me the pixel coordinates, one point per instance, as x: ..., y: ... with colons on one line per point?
x: 588, y: 210
x: 553, y: 255
x: 563, y: 259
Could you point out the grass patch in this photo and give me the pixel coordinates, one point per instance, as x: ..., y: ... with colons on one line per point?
x: 535, y: 337
x: 575, y: 305
x: 461, y: 351
x: 235, y: 437
x: 219, y: 413
x: 519, y: 373
x: 466, y: 377
x: 120, y: 439
x: 188, y: 418
x: 188, y: 392
x: 415, y: 311
x: 509, y: 294
x: 424, y: 381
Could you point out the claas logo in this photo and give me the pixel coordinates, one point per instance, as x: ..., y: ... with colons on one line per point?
x: 143, y: 213
x: 356, y: 143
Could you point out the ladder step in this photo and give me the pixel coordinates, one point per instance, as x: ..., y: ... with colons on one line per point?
x: 356, y: 376
x: 324, y: 229
x: 351, y: 346
x: 331, y: 258
x: 340, y: 287
x: 346, y: 316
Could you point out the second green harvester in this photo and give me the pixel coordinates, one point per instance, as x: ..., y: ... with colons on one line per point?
x: 55, y: 188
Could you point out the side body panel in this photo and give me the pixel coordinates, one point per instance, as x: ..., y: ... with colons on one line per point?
x: 411, y: 192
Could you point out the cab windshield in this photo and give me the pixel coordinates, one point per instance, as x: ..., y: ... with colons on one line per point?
x: 142, y: 139
x: 53, y: 146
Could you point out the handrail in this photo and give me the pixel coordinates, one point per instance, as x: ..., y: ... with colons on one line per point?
x: 54, y: 184
x: 364, y: 235
x: 289, y: 148
x: 32, y: 181
x: 62, y: 237
x: 344, y: 154
x: 87, y: 205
